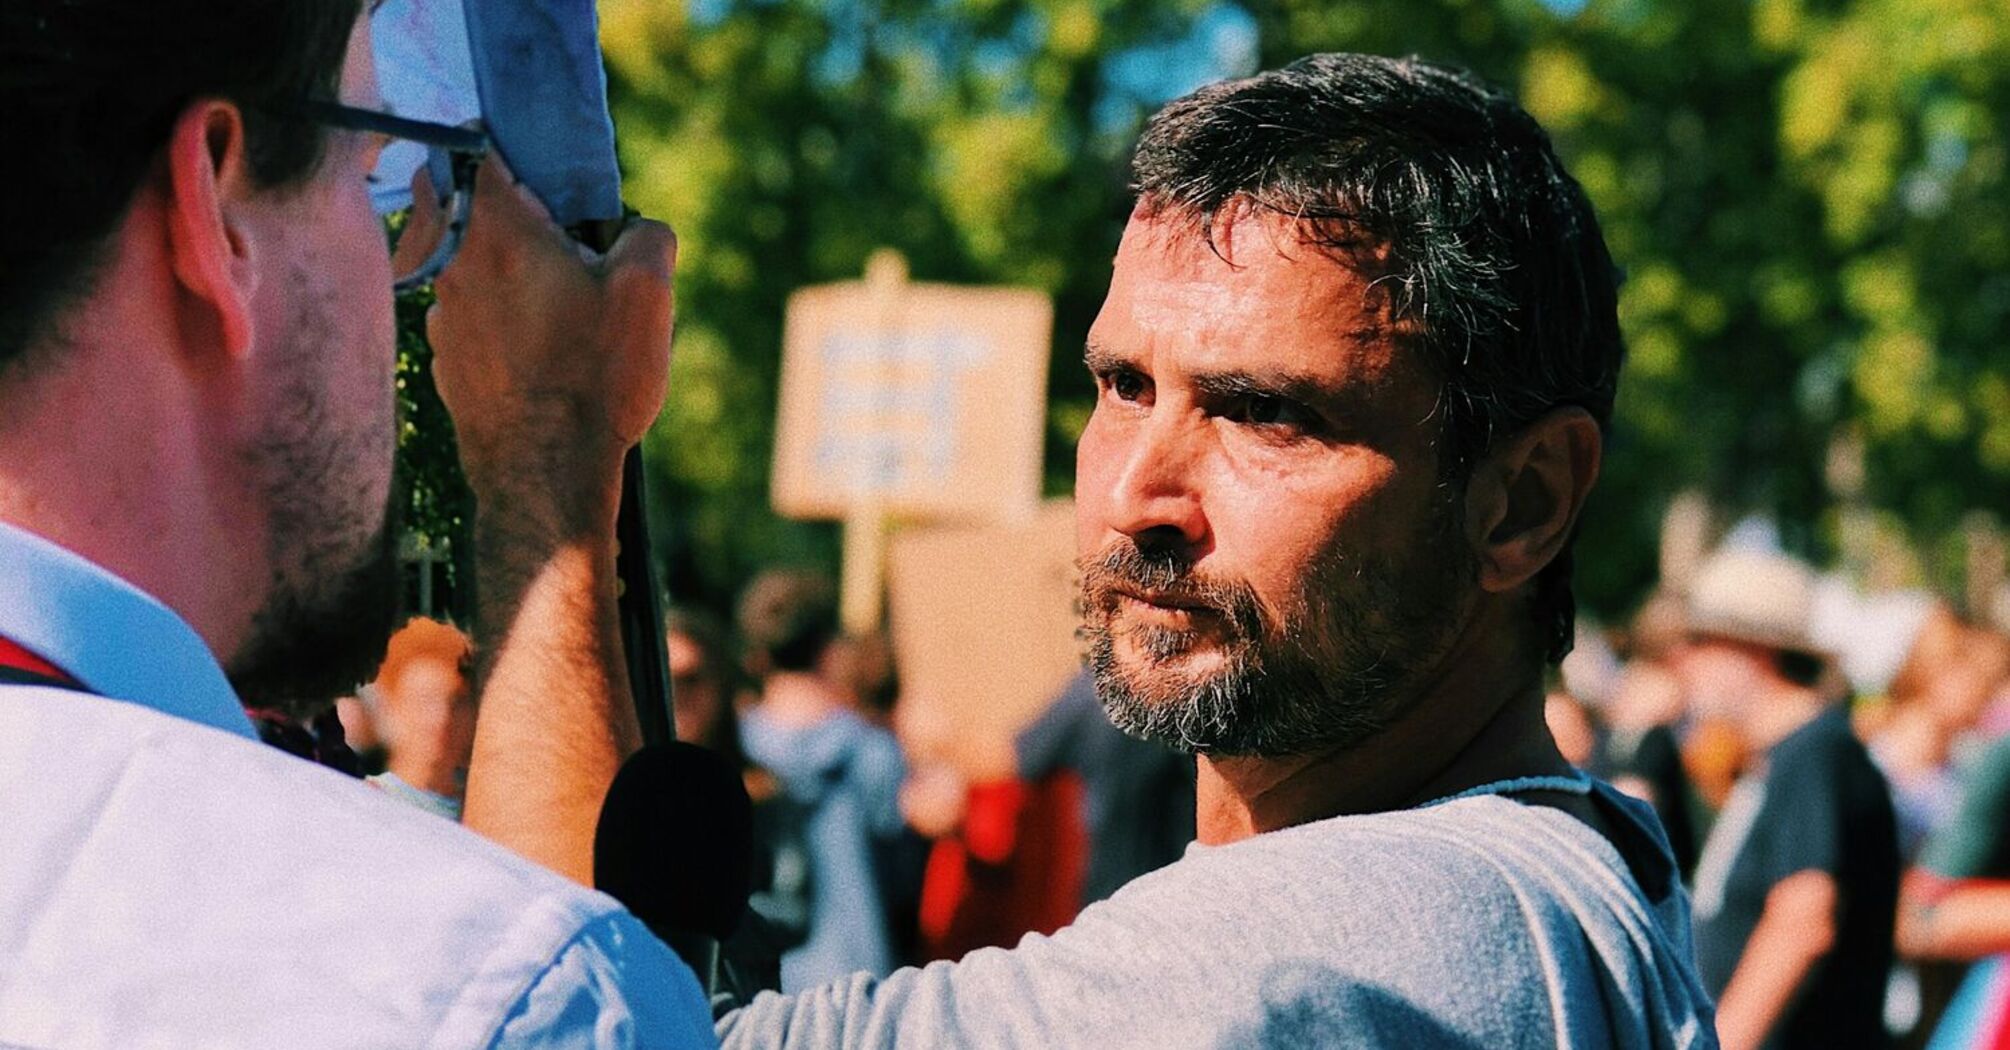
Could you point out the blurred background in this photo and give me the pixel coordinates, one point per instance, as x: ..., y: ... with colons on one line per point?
x: 1808, y: 198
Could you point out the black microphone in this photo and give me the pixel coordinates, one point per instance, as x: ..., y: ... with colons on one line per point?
x: 675, y: 844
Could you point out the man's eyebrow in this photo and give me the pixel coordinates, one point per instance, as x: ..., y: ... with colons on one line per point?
x: 1101, y: 359
x: 1295, y: 386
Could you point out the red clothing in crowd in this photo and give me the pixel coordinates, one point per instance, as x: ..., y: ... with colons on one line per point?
x: 1016, y: 867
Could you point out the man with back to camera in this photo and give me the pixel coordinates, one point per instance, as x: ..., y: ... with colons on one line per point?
x: 1358, y: 354
x: 196, y: 436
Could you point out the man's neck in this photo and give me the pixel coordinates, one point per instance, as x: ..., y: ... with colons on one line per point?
x: 88, y: 461
x: 1479, y: 723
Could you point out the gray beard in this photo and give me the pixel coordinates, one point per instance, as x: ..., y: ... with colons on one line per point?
x: 1345, y: 661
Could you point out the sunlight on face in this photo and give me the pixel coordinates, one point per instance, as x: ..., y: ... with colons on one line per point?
x: 1269, y: 558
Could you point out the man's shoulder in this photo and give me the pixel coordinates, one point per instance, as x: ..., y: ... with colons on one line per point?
x: 1373, y: 927
x: 199, y: 781
x: 1826, y: 740
x: 1469, y: 859
x: 1823, y: 758
x: 205, y: 879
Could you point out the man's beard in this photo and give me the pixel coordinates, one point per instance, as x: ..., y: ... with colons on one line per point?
x: 1345, y: 655
x: 332, y: 600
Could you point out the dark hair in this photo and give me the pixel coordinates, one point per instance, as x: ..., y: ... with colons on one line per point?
x: 91, y: 90
x: 1450, y: 195
x: 1800, y: 667
x: 787, y: 619
x: 708, y: 633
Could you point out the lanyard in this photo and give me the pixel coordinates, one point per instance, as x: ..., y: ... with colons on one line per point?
x: 18, y: 666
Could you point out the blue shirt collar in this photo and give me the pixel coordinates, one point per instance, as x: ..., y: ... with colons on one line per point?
x: 113, y: 637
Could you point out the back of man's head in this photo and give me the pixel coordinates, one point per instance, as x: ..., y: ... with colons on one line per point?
x: 92, y: 88
x: 787, y: 619
x: 1451, y: 197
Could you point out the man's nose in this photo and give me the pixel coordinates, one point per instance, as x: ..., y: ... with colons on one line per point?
x: 1156, y: 496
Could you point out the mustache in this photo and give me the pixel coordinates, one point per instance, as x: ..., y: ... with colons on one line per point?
x: 1168, y: 576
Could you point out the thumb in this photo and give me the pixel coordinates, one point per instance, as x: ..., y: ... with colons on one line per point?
x: 647, y: 246
x: 425, y: 223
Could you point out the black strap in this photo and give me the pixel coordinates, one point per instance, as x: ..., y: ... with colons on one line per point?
x: 22, y: 676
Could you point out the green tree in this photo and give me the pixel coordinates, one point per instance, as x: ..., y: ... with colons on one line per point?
x: 1808, y: 198
x: 787, y: 139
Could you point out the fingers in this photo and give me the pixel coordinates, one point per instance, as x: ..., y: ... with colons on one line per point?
x: 424, y: 225
x: 647, y: 246
x: 640, y: 269
x: 510, y: 210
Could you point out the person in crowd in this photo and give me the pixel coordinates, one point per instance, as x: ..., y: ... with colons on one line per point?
x: 844, y: 772
x: 1642, y: 755
x: 1955, y: 905
x: 863, y: 666
x: 1577, y: 730
x: 1798, y: 881
x: 1137, y: 795
x: 703, y: 682
x: 1007, y: 855
x: 423, y: 709
x: 1930, y: 711
x: 1353, y: 373
x: 196, y: 440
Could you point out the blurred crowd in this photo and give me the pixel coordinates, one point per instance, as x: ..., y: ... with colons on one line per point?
x: 1833, y: 772
x: 876, y: 846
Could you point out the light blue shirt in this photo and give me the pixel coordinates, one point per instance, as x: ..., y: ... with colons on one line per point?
x: 168, y: 881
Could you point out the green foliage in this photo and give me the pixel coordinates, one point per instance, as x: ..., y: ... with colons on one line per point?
x: 1808, y: 197
x: 788, y: 139
x: 437, y: 505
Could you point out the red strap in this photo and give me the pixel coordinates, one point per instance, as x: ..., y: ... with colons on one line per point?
x: 15, y: 658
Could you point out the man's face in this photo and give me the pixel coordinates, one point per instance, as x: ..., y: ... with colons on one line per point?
x: 696, y: 701
x: 1271, y: 564
x: 318, y: 441
x: 1721, y: 678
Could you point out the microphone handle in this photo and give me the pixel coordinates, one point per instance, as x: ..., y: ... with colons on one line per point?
x: 641, y: 610
x: 700, y: 952
x: 639, y: 602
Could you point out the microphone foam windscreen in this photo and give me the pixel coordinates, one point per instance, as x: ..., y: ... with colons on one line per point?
x: 675, y: 840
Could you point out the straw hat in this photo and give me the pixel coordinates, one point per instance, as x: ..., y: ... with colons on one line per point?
x: 1757, y: 596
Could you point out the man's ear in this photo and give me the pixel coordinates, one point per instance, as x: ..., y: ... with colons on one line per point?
x: 1523, y: 497
x: 210, y: 246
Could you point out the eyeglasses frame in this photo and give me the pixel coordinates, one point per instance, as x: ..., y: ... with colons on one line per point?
x: 463, y: 148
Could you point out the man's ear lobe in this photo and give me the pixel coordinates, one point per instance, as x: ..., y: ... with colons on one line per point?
x: 209, y: 243
x: 1523, y: 497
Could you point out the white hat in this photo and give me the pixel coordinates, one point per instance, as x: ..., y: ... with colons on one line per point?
x: 1755, y: 596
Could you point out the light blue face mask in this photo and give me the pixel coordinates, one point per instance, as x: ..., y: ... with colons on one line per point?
x: 528, y: 72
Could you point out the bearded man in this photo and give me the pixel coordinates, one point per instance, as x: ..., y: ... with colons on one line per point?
x: 1354, y: 370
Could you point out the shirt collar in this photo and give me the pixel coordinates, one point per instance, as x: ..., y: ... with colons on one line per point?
x: 110, y: 635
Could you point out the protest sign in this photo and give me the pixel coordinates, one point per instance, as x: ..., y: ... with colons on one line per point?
x: 925, y: 402
x: 984, y: 626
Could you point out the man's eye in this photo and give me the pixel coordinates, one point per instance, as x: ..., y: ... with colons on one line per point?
x: 1128, y: 386
x: 1266, y: 411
